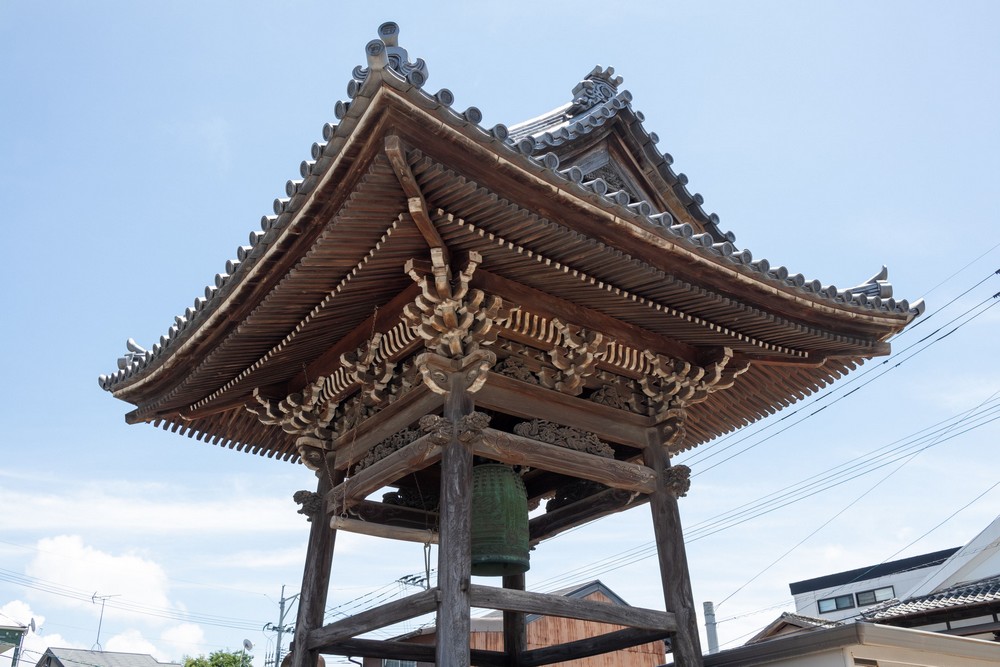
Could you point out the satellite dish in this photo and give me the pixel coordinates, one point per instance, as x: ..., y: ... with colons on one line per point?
x: 247, y: 645
x: 32, y: 625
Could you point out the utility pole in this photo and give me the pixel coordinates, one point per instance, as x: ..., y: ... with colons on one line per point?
x: 281, y: 628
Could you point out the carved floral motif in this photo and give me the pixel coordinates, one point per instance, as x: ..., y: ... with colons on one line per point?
x: 678, y: 480
x: 393, y: 443
x: 513, y: 367
x: 469, y: 428
x: 564, y: 436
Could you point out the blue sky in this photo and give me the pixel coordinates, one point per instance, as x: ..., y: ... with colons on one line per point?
x: 141, y: 143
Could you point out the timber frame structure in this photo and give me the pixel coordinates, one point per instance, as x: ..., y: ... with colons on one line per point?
x: 550, y: 296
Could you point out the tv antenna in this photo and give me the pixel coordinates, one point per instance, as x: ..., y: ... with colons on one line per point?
x: 103, y: 598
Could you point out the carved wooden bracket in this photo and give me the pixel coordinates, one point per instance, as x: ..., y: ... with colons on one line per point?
x: 313, y: 451
x: 311, y: 504
x: 437, y: 370
x: 674, y: 383
x: 453, y: 319
x: 364, y: 367
x: 575, y: 358
x: 304, y: 413
x: 678, y: 480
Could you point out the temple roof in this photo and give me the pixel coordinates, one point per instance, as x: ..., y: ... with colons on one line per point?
x: 611, y: 225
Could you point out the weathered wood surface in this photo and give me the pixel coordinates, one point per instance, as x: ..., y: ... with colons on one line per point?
x: 583, y: 511
x: 315, y: 577
x: 584, y: 648
x: 515, y: 633
x: 352, y: 446
x: 417, y: 455
x: 395, y: 515
x: 418, y: 535
x: 489, y: 597
x: 672, y: 557
x: 519, y: 450
x: 372, y: 619
x: 420, y: 653
x: 529, y: 401
x: 455, y: 551
x: 396, y: 152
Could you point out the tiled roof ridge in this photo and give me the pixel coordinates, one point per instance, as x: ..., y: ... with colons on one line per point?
x: 979, y: 591
x: 389, y: 64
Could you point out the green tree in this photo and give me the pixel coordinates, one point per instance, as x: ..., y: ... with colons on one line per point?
x: 221, y: 659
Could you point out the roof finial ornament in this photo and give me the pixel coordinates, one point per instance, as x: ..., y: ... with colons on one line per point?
x: 596, y: 88
x: 385, y: 53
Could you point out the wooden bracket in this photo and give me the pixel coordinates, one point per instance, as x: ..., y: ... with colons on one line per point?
x: 415, y: 201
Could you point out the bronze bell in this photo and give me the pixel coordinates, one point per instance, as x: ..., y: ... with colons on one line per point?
x: 499, y: 521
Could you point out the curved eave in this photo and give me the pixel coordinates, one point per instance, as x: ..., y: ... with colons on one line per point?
x: 385, y: 99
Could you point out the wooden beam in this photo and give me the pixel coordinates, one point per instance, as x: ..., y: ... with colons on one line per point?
x: 420, y: 536
x: 315, y: 576
x: 669, y: 536
x: 369, y: 620
x: 529, y: 401
x: 395, y: 515
x: 515, y: 629
x: 454, y: 625
x: 518, y: 450
x: 504, y: 599
x: 417, y: 455
x: 396, y: 152
x: 583, y: 648
x: 396, y: 650
x: 583, y: 511
x: 352, y: 446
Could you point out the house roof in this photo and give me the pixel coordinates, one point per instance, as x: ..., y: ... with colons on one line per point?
x: 864, y: 640
x: 643, y: 251
x: 71, y: 657
x: 872, y: 571
x: 969, y: 598
x: 788, y: 623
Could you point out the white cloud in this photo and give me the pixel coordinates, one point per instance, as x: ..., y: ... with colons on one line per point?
x: 130, y: 510
x: 68, y: 564
x: 184, y: 639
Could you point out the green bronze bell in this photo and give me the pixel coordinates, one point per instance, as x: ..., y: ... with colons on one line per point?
x: 499, y: 521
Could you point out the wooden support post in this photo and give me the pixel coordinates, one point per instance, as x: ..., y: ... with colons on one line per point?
x: 670, y: 552
x: 515, y: 633
x: 315, y: 576
x: 455, y: 552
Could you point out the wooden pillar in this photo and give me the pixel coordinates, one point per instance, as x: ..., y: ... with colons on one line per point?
x: 515, y: 633
x: 670, y: 552
x: 316, y: 574
x: 455, y: 549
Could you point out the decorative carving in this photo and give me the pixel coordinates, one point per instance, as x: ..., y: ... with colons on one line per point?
x: 613, y: 178
x: 468, y: 428
x: 570, y: 493
x: 407, y: 496
x: 678, y: 480
x: 513, y: 367
x: 313, y: 451
x: 564, y: 436
x: 452, y: 319
x: 311, y: 503
x: 674, y: 383
x: 393, y: 443
x: 575, y: 358
x: 304, y: 413
x: 437, y: 371
x: 596, y: 88
x: 616, y: 395
x: 366, y: 368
